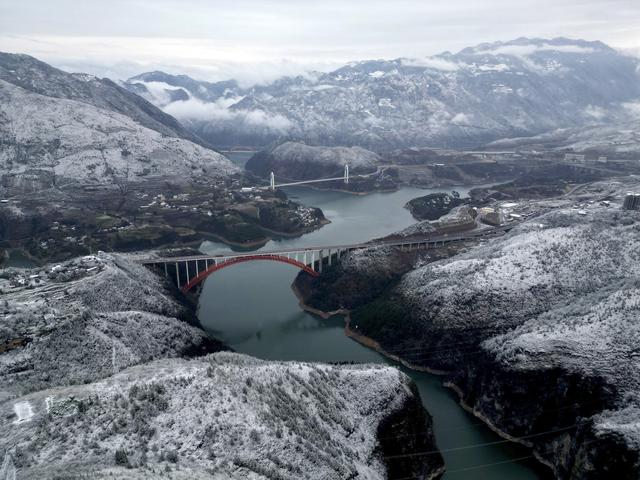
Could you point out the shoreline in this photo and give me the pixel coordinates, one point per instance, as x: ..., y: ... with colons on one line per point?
x: 250, y: 245
x: 369, y: 342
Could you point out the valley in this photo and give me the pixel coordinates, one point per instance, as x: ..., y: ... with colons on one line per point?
x: 453, y: 294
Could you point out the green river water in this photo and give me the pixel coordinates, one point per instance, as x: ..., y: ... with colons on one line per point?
x: 252, y: 308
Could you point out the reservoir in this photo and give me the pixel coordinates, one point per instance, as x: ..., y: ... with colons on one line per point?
x: 252, y: 308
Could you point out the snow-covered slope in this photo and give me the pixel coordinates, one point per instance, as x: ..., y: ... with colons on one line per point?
x: 87, y: 319
x: 617, y: 139
x: 538, y: 329
x: 298, y: 161
x: 491, y: 91
x: 38, y: 77
x: 222, y: 416
x: 95, y: 384
x: 57, y: 139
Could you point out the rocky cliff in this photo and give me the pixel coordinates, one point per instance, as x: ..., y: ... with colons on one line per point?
x: 535, y: 330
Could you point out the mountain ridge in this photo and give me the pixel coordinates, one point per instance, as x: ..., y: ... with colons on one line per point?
x: 518, y: 88
x: 39, y: 77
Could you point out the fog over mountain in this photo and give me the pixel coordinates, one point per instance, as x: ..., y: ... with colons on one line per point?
x: 484, y: 93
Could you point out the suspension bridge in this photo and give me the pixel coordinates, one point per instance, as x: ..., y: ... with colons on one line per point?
x: 273, y: 185
x: 189, y: 271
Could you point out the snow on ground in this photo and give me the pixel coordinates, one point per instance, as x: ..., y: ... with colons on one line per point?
x: 85, y: 319
x: 225, y: 414
x: 357, y: 158
x: 564, y: 286
x: 75, y: 140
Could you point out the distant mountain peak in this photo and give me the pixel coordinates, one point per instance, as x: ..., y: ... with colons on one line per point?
x: 560, y: 44
x: 521, y: 87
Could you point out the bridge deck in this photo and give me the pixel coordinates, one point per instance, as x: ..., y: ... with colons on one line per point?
x: 302, y: 182
x: 356, y: 246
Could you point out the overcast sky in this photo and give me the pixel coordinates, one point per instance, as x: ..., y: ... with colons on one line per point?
x: 258, y: 40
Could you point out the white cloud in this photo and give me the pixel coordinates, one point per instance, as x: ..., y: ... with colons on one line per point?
x: 260, y: 118
x: 461, y: 119
x: 257, y: 41
x: 596, y: 112
x: 196, y: 110
x: 160, y: 91
x: 633, y: 108
x: 527, y: 50
x: 434, y: 63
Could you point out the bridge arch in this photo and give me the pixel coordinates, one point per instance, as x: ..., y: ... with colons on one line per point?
x: 246, y: 258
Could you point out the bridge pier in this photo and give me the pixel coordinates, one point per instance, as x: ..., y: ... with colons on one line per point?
x: 307, y: 264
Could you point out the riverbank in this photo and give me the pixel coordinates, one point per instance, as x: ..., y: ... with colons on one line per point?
x: 260, y: 316
x: 376, y: 346
x: 537, y: 362
x: 150, y: 214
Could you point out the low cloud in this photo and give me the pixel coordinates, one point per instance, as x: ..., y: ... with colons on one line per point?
x: 434, y: 63
x: 632, y: 108
x: 527, y: 50
x: 461, y: 119
x: 595, y: 112
x: 196, y: 110
x: 160, y: 91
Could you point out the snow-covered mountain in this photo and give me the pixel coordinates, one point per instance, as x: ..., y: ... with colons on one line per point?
x: 56, y: 127
x: 38, y: 77
x: 483, y: 93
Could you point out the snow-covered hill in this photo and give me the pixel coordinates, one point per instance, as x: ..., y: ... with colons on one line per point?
x: 556, y: 302
x: 222, y: 416
x: 53, y: 140
x: 491, y: 91
x: 536, y: 330
x: 95, y: 383
x: 298, y: 161
x: 87, y: 319
x: 38, y: 77
x: 617, y: 139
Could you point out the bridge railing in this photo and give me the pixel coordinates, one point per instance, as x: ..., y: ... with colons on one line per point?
x: 184, y: 269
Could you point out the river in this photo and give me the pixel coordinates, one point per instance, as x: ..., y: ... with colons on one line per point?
x: 253, y: 309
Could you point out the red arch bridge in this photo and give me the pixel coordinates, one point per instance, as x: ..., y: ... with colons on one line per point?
x: 189, y: 271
